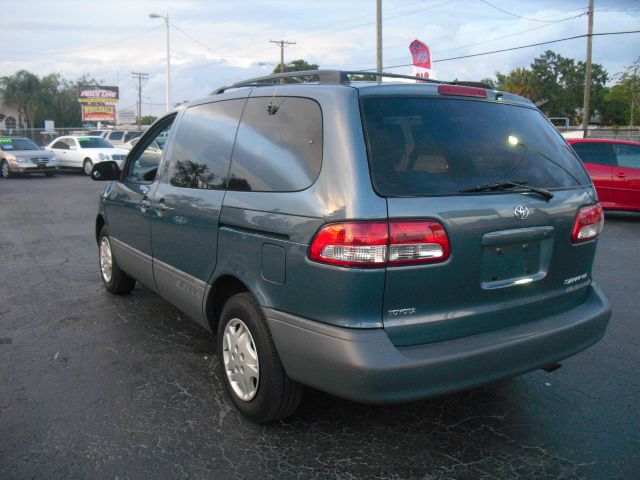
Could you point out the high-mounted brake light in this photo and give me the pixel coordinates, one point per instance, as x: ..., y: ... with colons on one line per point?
x: 378, y: 244
x: 589, y: 223
x: 462, y: 91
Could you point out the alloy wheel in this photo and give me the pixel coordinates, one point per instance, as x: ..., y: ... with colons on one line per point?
x: 240, y: 359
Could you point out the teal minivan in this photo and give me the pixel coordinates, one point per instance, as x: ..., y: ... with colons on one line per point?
x: 379, y: 241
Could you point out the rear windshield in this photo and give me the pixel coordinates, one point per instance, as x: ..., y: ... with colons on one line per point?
x: 94, y: 142
x: 434, y: 146
x: 11, y: 144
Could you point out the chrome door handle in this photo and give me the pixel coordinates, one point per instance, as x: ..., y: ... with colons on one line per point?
x: 621, y: 175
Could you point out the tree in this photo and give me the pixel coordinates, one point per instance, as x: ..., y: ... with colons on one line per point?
x: 616, y: 107
x: 22, y: 91
x: 297, y: 66
x: 48, y: 98
x: 148, y: 119
x: 521, y: 81
x: 558, y: 82
x: 629, y: 82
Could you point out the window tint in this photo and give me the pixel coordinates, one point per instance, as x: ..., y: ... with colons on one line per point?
x: 598, y: 153
x: 202, y: 148
x: 628, y: 156
x: 430, y: 146
x: 143, y: 167
x: 9, y: 144
x: 60, y: 145
x: 94, y: 142
x: 279, y: 145
x: 116, y: 135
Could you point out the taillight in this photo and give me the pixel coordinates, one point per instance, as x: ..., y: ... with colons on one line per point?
x: 462, y: 91
x: 417, y: 242
x: 589, y: 223
x: 377, y: 244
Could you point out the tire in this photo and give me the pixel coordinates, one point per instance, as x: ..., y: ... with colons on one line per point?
x: 114, y: 279
x: 261, y: 390
x: 87, y: 165
x: 5, y: 170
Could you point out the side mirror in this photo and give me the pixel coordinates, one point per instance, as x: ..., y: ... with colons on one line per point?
x: 105, y: 171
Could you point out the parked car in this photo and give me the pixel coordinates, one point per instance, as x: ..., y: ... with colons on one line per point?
x: 383, y: 242
x: 98, y: 133
x: 118, y: 137
x: 20, y: 156
x: 85, y: 152
x: 614, y: 166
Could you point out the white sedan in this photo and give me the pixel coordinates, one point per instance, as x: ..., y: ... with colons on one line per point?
x: 74, y: 151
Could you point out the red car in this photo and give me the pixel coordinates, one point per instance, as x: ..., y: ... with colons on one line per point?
x: 614, y: 166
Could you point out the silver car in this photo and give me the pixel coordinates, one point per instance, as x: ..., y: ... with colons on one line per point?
x: 21, y: 156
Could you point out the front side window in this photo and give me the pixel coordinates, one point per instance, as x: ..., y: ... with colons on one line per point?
x: 94, y: 142
x: 279, y: 145
x: 437, y: 146
x: 143, y: 166
x: 203, y: 143
x: 597, y: 153
x: 628, y: 156
x: 60, y: 145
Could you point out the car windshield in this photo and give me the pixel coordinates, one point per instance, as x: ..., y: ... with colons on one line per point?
x: 434, y: 146
x: 94, y: 142
x: 14, y: 144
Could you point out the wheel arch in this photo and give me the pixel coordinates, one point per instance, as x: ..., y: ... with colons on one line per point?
x: 99, y: 224
x: 224, y: 287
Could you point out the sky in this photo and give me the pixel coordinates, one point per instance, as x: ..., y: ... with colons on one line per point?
x: 216, y: 43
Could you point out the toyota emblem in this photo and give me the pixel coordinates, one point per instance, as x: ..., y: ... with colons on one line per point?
x: 521, y: 212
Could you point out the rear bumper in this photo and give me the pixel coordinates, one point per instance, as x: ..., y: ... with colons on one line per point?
x: 364, y: 365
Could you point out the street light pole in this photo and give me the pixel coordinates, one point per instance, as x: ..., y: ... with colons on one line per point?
x: 168, y: 91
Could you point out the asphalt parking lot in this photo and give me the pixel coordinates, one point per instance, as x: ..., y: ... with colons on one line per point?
x: 98, y: 386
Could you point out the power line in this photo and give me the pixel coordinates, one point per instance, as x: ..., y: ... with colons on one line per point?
x: 513, y: 48
x: 513, y: 14
x: 86, y: 48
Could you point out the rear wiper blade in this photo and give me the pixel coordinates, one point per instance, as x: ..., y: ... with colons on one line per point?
x: 520, y: 185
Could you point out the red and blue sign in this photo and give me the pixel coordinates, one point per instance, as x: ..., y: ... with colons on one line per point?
x: 420, y: 54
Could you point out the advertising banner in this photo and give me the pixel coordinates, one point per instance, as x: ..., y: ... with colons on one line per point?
x: 98, y: 94
x: 99, y: 113
x: 421, y: 59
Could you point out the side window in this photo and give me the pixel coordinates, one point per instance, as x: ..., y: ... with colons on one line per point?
x: 116, y: 135
x: 143, y: 166
x: 628, y: 156
x: 278, y: 146
x: 71, y: 142
x: 598, y: 153
x: 60, y: 145
x: 203, y: 143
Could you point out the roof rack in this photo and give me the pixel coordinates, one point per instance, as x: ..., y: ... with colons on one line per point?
x: 320, y: 76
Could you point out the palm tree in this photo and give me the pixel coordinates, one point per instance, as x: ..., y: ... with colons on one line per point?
x: 521, y: 81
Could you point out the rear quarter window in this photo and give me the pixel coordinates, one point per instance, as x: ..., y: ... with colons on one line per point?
x: 203, y: 143
x: 278, y: 146
x: 438, y: 146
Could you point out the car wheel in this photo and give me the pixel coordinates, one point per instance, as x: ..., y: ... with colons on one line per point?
x: 5, y: 170
x: 87, y: 165
x: 114, y: 279
x: 249, y: 363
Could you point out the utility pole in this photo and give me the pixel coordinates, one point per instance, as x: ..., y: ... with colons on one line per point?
x: 379, y: 37
x: 587, y: 77
x: 282, y: 44
x: 140, y: 76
